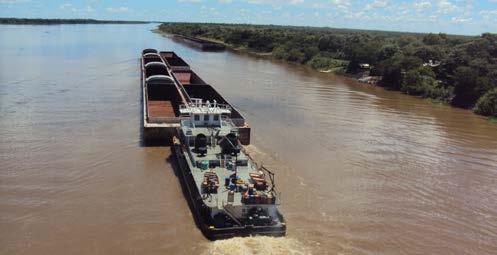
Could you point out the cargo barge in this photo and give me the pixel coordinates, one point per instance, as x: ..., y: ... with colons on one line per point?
x: 202, y: 44
x: 229, y: 194
x: 167, y: 81
x: 161, y: 97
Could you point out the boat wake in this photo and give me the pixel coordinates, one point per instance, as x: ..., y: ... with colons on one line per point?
x: 257, y: 245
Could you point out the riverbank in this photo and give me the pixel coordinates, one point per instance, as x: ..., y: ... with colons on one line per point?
x: 19, y: 21
x: 458, y: 70
x: 338, y: 70
x: 362, y: 77
x: 245, y: 50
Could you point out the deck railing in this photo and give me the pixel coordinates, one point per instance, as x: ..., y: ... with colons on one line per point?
x: 206, y: 105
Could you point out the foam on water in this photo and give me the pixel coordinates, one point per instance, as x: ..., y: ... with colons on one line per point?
x: 257, y: 245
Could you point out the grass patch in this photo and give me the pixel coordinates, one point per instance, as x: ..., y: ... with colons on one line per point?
x: 324, y: 63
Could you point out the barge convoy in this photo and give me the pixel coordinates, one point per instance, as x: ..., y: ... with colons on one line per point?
x: 229, y: 194
x: 202, y: 44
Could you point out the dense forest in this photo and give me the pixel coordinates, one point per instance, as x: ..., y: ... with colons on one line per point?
x: 459, y: 70
x: 17, y: 21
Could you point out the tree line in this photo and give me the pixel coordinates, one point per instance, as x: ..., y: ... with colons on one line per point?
x: 460, y: 70
x: 22, y: 21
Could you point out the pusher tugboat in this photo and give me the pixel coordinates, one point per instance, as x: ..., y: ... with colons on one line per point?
x: 230, y: 195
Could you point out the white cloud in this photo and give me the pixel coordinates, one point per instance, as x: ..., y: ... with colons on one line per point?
x: 261, y: 2
x: 489, y: 14
x: 117, y: 9
x: 318, y: 5
x: 13, y: 1
x: 460, y: 20
x: 422, y: 5
x: 445, y: 6
x: 377, y: 4
x: 341, y: 4
x: 225, y: 1
x: 69, y: 7
x: 89, y: 9
x: 275, y: 2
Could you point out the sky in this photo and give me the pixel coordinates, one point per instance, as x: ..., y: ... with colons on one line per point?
x: 470, y: 17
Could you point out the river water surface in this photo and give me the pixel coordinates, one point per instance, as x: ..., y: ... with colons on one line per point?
x: 362, y: 170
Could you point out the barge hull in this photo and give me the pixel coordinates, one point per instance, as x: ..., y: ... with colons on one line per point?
x: 158, y: 135
x: 201, y: 44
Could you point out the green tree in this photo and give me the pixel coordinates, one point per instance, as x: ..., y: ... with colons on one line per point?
x: 331, y: 43
x: 387, y: 51
x: 487, y: 104
x: 469, y: 86
x: 422, y: 81
x: 433, y: 39
x: 427, y: 53
x: 260, y: 42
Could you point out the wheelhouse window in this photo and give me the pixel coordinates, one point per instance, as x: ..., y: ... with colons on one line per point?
x: 196, y: 117
x: 216, y: 117
x: 206, y: 117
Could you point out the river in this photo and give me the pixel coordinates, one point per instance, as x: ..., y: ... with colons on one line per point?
x: 362, y: 170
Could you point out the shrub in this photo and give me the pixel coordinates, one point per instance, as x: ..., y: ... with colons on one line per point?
x: 487, y: 104
x: 421, y: 81
x: 321, y: 62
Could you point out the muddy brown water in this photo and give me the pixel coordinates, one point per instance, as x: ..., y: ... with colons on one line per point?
x: 361, y: 170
